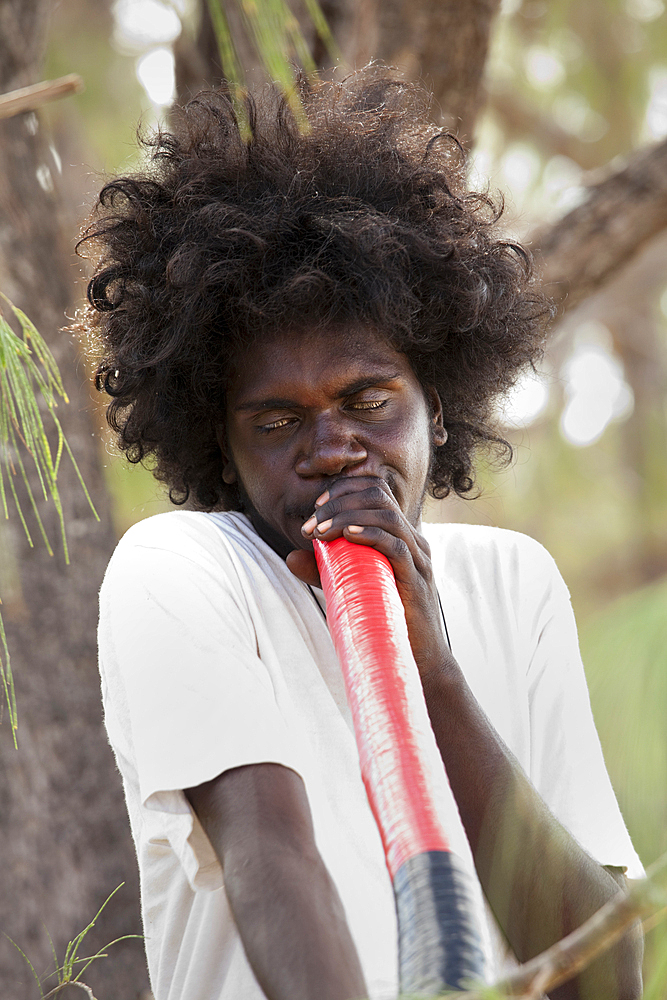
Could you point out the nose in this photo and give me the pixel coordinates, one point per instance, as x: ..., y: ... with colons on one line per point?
x: 329, y: 449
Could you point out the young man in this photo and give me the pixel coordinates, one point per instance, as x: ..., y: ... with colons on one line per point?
x: 305, y: 330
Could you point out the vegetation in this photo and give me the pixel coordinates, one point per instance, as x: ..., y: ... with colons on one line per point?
x: 72, y: 968
x: 28, y: 374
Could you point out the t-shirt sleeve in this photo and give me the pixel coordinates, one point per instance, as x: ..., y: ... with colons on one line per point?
x: 567, y: 765
x: 183, y: 678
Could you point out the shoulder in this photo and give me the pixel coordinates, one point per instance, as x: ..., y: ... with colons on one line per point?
x: 178, y: 539
x: 483, y: 557
x: 180, y: 528
x: 186, y: 533
x: 485, y: 543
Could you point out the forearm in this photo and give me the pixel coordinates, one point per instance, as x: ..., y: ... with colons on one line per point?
x: 285, y: 905
x: 293, y: 927
x: 538, y: 881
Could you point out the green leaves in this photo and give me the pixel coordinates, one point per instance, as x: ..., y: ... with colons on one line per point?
x: 278, y: 39
x: 30, y: 387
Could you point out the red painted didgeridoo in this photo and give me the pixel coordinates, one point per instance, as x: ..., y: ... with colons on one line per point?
x: 438, y: 940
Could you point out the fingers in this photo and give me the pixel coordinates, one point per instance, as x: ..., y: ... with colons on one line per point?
x: 363, y: 505
x: 353, y: 484
x: 363, y: 510
x: 359, y: 520
x: 356, y: 492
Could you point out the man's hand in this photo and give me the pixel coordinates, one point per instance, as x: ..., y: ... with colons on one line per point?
x: 364, y: 510
x: 285, y: 905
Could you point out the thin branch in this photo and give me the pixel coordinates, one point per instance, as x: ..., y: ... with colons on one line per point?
x: 16, y: 102
x: 71, y: 982
x: 566, y: 958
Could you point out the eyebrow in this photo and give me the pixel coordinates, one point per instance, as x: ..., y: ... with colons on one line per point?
x: 284, y: 403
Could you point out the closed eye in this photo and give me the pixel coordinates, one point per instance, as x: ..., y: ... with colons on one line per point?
x: 369, y: 404
x: 365, y: 405
x: 275, y: 425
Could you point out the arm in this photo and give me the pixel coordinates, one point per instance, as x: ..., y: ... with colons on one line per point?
x: 539, y: 882
x: 286, y: 907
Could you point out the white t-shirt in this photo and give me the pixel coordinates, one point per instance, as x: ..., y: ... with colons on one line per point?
x: 213, y: 655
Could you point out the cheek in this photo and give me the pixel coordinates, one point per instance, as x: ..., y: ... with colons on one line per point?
x: 261, y: 476
x: 417, y: 441
x: 417, y: 448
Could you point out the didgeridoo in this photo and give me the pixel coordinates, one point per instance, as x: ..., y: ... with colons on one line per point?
x: 438, y: 940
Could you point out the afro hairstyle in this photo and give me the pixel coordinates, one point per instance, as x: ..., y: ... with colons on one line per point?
x: 356, y: 214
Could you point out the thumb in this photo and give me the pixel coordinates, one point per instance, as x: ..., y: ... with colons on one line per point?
x: 302, y: 564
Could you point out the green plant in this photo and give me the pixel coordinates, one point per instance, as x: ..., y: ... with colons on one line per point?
x: 277, y: 36
x: 66, y: 973
x: 29, y: 375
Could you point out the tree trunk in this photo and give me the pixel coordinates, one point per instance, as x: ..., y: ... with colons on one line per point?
x: 197, y: 59
x: 445, y: 45
x: 63, y: 822
x: 629, y: 309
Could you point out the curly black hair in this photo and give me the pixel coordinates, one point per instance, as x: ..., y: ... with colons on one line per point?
x: 235, y: 231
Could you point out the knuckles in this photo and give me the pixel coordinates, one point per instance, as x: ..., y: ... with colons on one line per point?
x: 399, y: 547
x: 391, y: 517
x: 377, y: 496
x: 329, y: 509
x: 368, y: 485
x: 370, y: 498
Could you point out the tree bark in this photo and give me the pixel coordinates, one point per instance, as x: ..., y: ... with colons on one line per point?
x: 443, y: 44
x: 629, y: 310
x: 196, y: 57
x: 620, y: 214
x: 63, y: 823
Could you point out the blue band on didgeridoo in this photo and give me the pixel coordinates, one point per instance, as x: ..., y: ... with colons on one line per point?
x: 438, y: 941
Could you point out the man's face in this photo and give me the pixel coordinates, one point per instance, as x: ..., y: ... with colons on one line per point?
x: 306, y: 410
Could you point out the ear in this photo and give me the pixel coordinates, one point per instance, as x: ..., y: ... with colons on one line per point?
x: 228, y: 469
x: 438, y: 430
x: 229, y: 473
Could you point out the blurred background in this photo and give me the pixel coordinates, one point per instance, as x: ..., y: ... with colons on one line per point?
x: 562, y: 107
